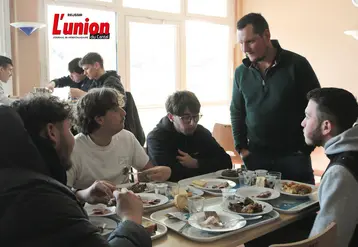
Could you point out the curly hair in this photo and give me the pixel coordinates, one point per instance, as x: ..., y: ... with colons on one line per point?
x: 94, y: 104
x: 38, y: 110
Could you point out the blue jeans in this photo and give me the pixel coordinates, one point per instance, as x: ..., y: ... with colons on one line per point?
x: 294, y: 166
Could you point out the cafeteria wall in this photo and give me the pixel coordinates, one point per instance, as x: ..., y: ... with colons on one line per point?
x: 26, y: 50
x: 313, y: 29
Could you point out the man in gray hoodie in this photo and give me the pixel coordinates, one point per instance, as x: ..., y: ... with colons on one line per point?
x: 330, y: 115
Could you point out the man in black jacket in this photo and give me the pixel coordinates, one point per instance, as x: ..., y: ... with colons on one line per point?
x: 268, y: 102
x: 77, y: 80
x: 180, y: 143
x: 37, y: 209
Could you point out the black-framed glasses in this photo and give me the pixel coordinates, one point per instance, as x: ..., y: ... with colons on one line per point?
x: 188, y: 118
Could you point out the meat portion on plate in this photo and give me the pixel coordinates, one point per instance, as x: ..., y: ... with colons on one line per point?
x: 296, y: 188
x: 248, y: 206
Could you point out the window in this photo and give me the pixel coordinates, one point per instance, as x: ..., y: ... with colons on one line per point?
x: 208, y: 7
x: 172, y: 6
x: 64, y: 48
x: 152, y: 62
x: 207, y: 53
x: 163, y: 46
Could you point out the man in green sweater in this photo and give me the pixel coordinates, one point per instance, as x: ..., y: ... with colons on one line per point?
x: 268, y: 102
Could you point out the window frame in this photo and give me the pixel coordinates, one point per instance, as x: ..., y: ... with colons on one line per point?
x: 125, y: 14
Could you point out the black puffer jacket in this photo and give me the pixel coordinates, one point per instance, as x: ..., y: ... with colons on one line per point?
x: 163, y: 144
x: 36, y: 209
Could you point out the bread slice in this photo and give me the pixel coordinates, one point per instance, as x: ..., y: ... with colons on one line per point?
x: 181, y: 201
x: 200, y: 183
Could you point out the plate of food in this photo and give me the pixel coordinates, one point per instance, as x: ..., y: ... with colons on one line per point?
x: 155, y: 229
x: 258, y: 193
x: 151, y: 200
x: 247, y: 207
x: 99, y: 209
x: 228, y: 173
x: 213, y: 184
x: 104, y: 225
x: 220, y: 221
x: 296, y: 189
x: 137, y: 187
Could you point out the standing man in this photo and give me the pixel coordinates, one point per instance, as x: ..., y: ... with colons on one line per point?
x: 5, y: 74
x: 268, y: 102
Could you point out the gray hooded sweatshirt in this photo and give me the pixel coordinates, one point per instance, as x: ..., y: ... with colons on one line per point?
x: 338, y: 191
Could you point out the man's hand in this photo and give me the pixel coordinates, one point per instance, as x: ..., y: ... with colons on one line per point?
x: 98, y: 192
x: 157, y: 174
x: 186, y: 160
x: 244, y: 153
x: 77, y: 93
x: 51, y: 86
x: 129, y: 206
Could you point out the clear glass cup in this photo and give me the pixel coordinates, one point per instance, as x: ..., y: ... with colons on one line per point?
x: 277, y: 182
x: 261, y: 173
x: 161, y: 189
x: 242, y: 180
x: 196, y: 204
x: 172, y: 190
x: 249, y: 178
x: 228, y: 194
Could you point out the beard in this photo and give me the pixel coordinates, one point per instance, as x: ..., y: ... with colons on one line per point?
x: 64, y: 154
x: 316, y: 137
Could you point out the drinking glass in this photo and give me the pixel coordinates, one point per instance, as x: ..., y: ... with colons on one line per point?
x: 277, y: 182
x: 196, y: 204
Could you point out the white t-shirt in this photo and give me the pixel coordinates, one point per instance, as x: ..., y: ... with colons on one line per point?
x: 92, y: 162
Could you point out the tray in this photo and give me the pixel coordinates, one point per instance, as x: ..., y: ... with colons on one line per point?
x: 291, y: 205
x: 203, y: 236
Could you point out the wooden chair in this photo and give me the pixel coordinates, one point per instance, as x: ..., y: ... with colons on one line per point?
x: 223, y: 135
x: 324, y: 239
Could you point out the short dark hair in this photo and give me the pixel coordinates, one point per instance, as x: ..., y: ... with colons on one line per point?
x: 5, y: 61
x: 73, y: 66
x: 94, y: 104
x: 257, y: 21
x: 38, y: 110
x: 179, y: 101
x: 336, y: 105
x: 91, y: 58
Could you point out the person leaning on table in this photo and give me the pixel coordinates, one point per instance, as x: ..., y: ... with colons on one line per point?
x: 37, y: 208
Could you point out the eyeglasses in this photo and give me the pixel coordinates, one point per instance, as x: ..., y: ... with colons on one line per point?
x: 188, y: 118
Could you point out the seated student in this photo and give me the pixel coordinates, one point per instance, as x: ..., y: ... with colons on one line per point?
x: 5, y: 74
x: 92, y: 64
x: 77, y: 80
x: 180, y: 143
x: 104, y: 149
x: 330, y: 115
x: 37, y: 208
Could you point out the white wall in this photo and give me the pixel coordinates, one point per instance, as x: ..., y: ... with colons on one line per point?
x: 5, y: 38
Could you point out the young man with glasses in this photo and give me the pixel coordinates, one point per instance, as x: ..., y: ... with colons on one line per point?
x: 180, y: 143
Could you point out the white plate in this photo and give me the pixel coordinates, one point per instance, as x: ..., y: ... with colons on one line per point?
x: 266, y: 208
x: 150, y: 187
x: 99, y: 221
x: 253, y: 191
x: 214, y: 181
x: 196, y: 218
x: 314, y: 189
x: 151, y: 196
x: 218, y: 173
x: 89, y: 209
x: 161, y: 229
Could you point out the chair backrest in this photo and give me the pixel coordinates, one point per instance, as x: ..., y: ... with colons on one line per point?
x: 223, y: 135
x: 324, y: 239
